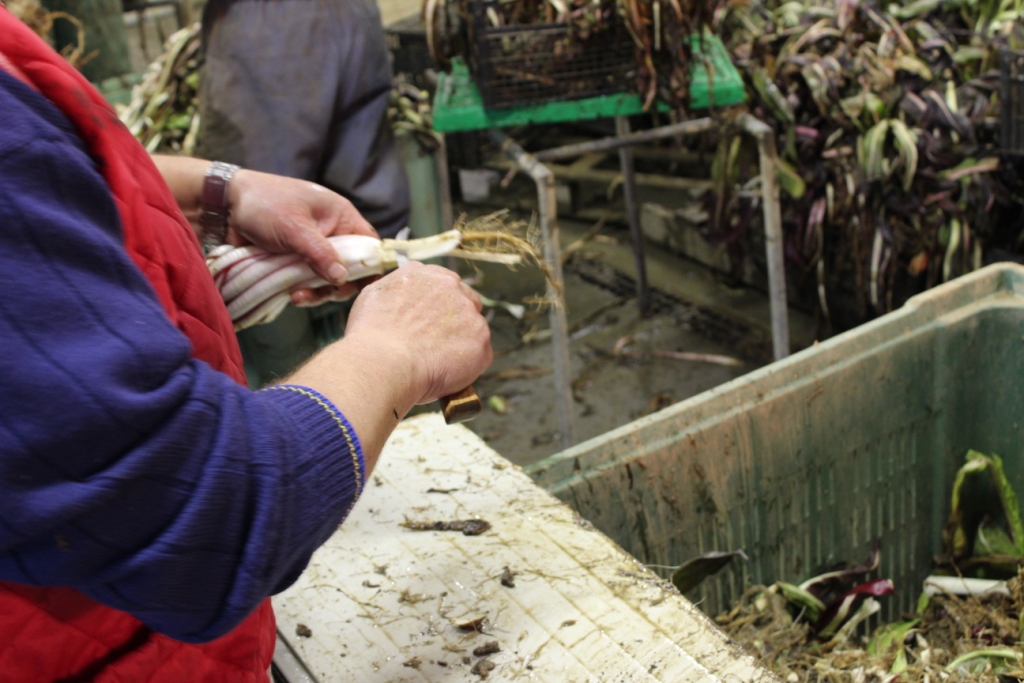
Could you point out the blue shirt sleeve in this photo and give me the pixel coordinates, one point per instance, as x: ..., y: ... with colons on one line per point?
x: 129, y: 470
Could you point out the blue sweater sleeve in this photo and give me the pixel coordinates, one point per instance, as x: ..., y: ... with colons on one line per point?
x: 128, y: 470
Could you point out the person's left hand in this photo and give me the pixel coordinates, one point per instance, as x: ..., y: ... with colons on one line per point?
x: 285, y: 215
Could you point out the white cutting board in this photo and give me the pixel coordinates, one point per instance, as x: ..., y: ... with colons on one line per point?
x: 380, y: 602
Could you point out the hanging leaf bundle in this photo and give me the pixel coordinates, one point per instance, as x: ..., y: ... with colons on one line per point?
x: 644, y: 46
x: 887, y: 121
x: 41, y: 21
x: 664, y: 31
x: 410, y: 113
x: 163, y: 113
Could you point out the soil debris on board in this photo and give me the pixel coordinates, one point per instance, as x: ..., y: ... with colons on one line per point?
x: 303, y: 631
x: 469, y: 527
x: 483, y: 668
x: 508, y: 578
x: 488, y: 648
x: 413, y: 663
x: 478, y: 625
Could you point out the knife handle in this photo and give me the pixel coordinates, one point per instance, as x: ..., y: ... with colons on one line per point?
x: 461, y: 406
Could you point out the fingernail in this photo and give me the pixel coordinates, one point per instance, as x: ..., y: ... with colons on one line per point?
x: 337, y: 274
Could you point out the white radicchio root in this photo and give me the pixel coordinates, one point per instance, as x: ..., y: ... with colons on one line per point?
x: 257, y: 285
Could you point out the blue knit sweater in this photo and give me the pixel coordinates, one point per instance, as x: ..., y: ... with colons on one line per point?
x: 128, y: 470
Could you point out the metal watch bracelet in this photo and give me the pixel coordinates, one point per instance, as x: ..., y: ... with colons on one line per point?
x: 213, y: 203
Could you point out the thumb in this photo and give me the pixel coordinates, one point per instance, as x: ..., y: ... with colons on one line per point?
x: 320, y: 255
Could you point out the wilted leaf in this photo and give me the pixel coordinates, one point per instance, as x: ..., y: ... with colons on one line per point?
x: 840, y: 580
x: 691, y: 573
x: 995, y: 656
x: 993, y: 536
x: 918, y: 264
x: 970, y: 166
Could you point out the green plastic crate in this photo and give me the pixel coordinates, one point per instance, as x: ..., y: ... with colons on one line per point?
x: 802, y: 463
x: 458, y: 107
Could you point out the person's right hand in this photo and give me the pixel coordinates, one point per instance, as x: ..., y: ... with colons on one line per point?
x: 426, y: 317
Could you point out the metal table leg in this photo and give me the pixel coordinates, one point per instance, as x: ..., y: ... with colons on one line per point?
x: 633, y: 213
x: 443, y: 183
x: 547, y: 207
x: 765, y: 137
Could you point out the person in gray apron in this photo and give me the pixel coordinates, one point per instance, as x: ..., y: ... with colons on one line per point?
x: 300, y: 88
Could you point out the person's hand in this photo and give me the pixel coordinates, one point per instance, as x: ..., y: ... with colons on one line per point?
x: 285, y: 215
x: 426, y: 318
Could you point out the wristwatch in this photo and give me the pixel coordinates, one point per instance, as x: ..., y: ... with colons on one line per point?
x: 213, y: 203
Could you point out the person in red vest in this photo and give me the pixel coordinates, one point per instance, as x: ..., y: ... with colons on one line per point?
x: 149, y: 501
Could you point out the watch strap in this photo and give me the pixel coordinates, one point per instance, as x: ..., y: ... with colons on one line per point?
x: 213, y: 203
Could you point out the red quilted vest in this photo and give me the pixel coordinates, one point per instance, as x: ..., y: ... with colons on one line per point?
x: 51, y: 634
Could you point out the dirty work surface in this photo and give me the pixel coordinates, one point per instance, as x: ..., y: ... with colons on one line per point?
x: 540, y: 596
x: 610, y: 389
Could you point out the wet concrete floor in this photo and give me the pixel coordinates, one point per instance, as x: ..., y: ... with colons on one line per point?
x: 617, y: 375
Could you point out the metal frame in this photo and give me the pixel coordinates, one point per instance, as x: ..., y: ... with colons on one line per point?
x: 622, y: 141
x: 547, y: 208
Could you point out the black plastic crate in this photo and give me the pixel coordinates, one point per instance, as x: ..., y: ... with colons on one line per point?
x: 532, y: 64
x: 407, y: 43
x: 1011, y: 103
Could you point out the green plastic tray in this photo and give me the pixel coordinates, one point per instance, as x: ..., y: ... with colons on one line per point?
x: 458, y: 107
x: 802, y: 463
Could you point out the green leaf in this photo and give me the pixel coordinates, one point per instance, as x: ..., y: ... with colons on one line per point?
x: 923, y: 601
x: 179, y: 122
x: 889, y: 635
x: 802, y: 599
x: 690, y: 574
x: 772, y: 96
x: 873, y: 151
x: 915, y: 9
x: 993, y: 541
x: 913, y: 65
x: 497, y: 404
x: 955, y: 227
x: 899, y: 665
x: 1008, y: 498
x: 906, y: 145
x: 969, y: 53
x: 790, y: 180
